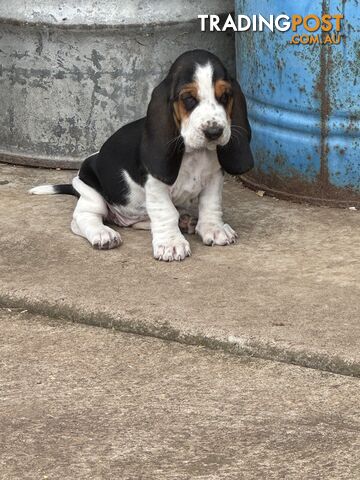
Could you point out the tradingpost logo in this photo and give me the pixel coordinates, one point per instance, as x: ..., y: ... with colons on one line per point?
x: 308, y: 30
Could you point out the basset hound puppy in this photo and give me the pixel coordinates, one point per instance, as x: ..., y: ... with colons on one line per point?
x: 165, y: 171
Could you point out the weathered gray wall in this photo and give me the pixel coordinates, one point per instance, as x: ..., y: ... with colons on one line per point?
x: 73, y: 72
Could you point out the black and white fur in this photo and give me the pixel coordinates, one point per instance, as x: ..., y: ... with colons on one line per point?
x: 154, y: 169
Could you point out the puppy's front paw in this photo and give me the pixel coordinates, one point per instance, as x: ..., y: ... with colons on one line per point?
x: 169, y: 250
x: 216, y: 234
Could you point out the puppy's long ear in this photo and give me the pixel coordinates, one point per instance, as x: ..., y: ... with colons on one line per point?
x: 235, y: 157
x: 161, y: 149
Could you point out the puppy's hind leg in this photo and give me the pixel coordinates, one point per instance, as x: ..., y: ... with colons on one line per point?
x: 88, y: 217
x: 146, y: 225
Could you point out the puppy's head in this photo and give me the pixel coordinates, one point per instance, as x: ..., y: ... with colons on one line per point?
x: 203, y: 102
x: 198, y: 106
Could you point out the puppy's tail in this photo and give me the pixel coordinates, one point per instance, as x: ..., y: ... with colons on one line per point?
x: 65, y: 189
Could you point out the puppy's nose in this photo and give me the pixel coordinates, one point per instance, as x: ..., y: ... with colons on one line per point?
x: 212, y: 133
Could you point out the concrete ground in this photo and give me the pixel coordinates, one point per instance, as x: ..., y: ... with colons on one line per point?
x: 114, y: 405
x: 80, y: 402
x: 289, y: 290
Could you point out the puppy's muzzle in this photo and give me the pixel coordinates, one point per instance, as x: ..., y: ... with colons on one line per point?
x: 213, y: 133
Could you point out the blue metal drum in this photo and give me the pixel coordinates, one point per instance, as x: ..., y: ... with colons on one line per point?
x: 304, y: 103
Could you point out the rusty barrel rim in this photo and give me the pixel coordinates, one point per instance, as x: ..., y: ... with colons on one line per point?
x: 298, y: 198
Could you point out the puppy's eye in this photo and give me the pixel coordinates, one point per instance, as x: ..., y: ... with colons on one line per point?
x: 190, y: 103
x: 224, y: 98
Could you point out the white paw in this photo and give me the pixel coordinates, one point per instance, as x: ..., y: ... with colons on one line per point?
x: 216, y: 234
x: 169, y: 250
x: 105, y: 238
x: 187, y: 223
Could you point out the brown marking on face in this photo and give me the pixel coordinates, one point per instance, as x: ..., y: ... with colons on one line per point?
x: 180, y: 112
x: 221, y: 87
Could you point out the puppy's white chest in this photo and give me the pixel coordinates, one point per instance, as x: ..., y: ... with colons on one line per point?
x: 195, y: 172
